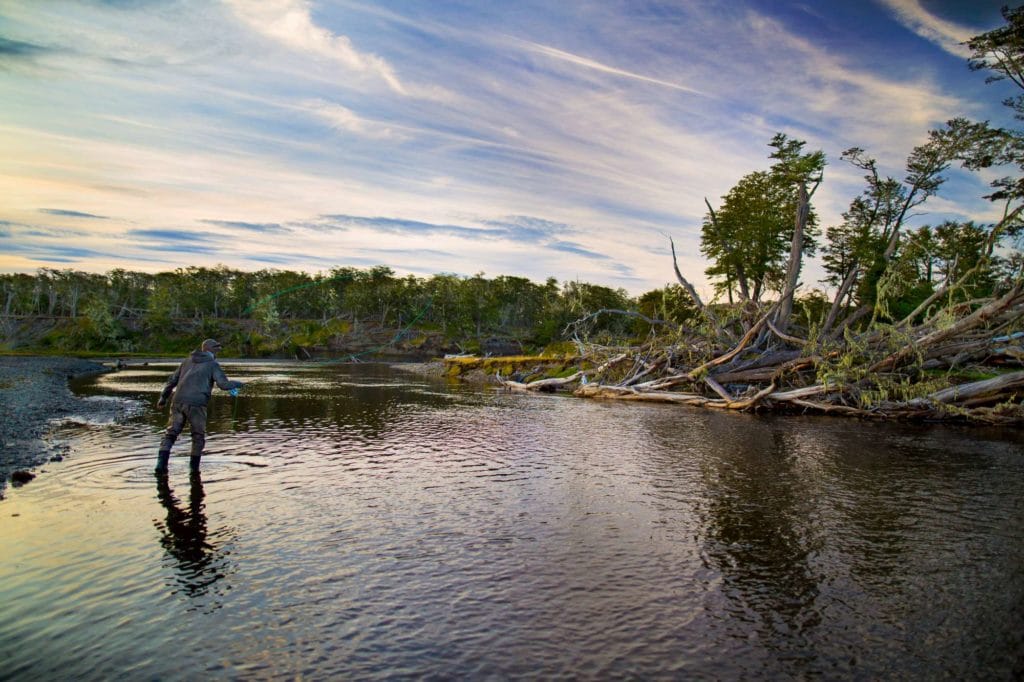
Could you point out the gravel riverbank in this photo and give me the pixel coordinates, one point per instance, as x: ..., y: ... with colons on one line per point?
x: 34, y: 395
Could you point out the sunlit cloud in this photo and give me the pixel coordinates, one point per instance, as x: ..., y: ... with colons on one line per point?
x: 947, y: 35
x: 71, y: 214
x: 570, y: 247
x: 578, y: 60
x: 343, y: 118
x: 264, y: 228
x: 846, y: 97
x: 291, y: 23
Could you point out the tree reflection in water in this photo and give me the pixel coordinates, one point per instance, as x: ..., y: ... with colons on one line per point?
x: 199, y: 555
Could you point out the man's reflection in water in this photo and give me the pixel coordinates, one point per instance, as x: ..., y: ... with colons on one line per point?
x: 201, y: 560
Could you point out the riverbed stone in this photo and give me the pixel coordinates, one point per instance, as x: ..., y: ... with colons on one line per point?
x: 34, y: 393
x: 21, y: 477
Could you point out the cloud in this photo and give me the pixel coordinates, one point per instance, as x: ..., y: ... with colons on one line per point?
x: 197, y: 249
x: 516, y: 228
x: 72, y: 214
x: 522, y: 228
x: 414, y: 252
x: 175, y: 236
x: 835, y: 92
x: 604, y: 68
x: 55, y: 253
x: 290, y: 259
x: 524, y: 232
x: 16, y: 50
x: 290, y: 22
x: 265, y: 228
x: 626, y: 271
x: 54, y: 233
x: 343, y: 118
x: 403, y: 226
x: 570, y: 247
x: 946, y: 34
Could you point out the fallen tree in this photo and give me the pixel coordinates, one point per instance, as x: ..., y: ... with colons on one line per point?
x: 860, y: 375
x: 923, y: 366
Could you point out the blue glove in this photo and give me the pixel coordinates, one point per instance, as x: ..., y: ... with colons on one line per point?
x: 233, y: 393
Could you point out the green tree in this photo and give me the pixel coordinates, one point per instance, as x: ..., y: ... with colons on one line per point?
x: 162, y: 305
x: 128, y: 291
x: 1001, y: 53
x: 953, y: 253
x: 860, y: 251
x: 750, y: 237
x: 479, y: 301
x: 671, y: 304
x: 100, y: 321
x: 265, y: 312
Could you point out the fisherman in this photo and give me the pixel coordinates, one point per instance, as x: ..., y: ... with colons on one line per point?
x: 194, y: 380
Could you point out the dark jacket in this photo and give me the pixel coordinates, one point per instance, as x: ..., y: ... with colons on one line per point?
x: 194, y: 380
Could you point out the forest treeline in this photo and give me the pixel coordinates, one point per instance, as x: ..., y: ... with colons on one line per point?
x: 126, y: 311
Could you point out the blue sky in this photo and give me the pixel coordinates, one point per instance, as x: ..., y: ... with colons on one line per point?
x: 532, y: 138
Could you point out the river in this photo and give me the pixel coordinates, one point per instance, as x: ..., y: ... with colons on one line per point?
x: 362, y: 522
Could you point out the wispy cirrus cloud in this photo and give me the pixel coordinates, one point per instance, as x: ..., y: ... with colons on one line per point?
x: 585, y: 62
x: 55, y: 253
x: 290, y: 22
x: 299, y: 259
x: 17, y: 51
x: 571, y: 247
x: 946, y: 34
x: 404, y: 253
x: 175, y: 236
x: 522, y: 229
x: 342, y: 118
x: 72, y: 214
x: 528, y: 228
x: 397, y: 226
x: 517, y: 229
x: 54, y: 232
x: 264, y: 228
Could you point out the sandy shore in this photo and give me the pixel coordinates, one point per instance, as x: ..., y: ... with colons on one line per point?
x: 34, y: 394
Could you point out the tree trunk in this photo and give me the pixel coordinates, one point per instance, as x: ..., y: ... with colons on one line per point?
x: 837, y: 302
x: 795, y: 259
x: 693, y: 293
x: 741, y: 275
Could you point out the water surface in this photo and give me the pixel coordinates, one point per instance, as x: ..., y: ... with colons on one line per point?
x: 363, y: 522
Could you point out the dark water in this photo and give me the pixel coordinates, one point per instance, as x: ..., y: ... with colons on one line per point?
x: 361, y: 522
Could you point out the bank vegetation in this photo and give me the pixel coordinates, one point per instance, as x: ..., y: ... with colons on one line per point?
x: 924, y: 323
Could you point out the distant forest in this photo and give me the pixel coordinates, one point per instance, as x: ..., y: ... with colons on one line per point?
x: 126, y: 311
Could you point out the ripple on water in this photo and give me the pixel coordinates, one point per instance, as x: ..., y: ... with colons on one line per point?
x: 353, y: 523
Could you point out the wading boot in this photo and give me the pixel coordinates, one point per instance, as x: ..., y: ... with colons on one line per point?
x: 162, y: 459
x: 193, y: 463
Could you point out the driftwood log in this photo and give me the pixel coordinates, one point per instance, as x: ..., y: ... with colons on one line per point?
x: 924, y: 366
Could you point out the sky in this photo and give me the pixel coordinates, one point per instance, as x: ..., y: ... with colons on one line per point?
x: 530, y: 138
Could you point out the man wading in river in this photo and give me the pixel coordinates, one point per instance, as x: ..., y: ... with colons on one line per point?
x: 194, y: 380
